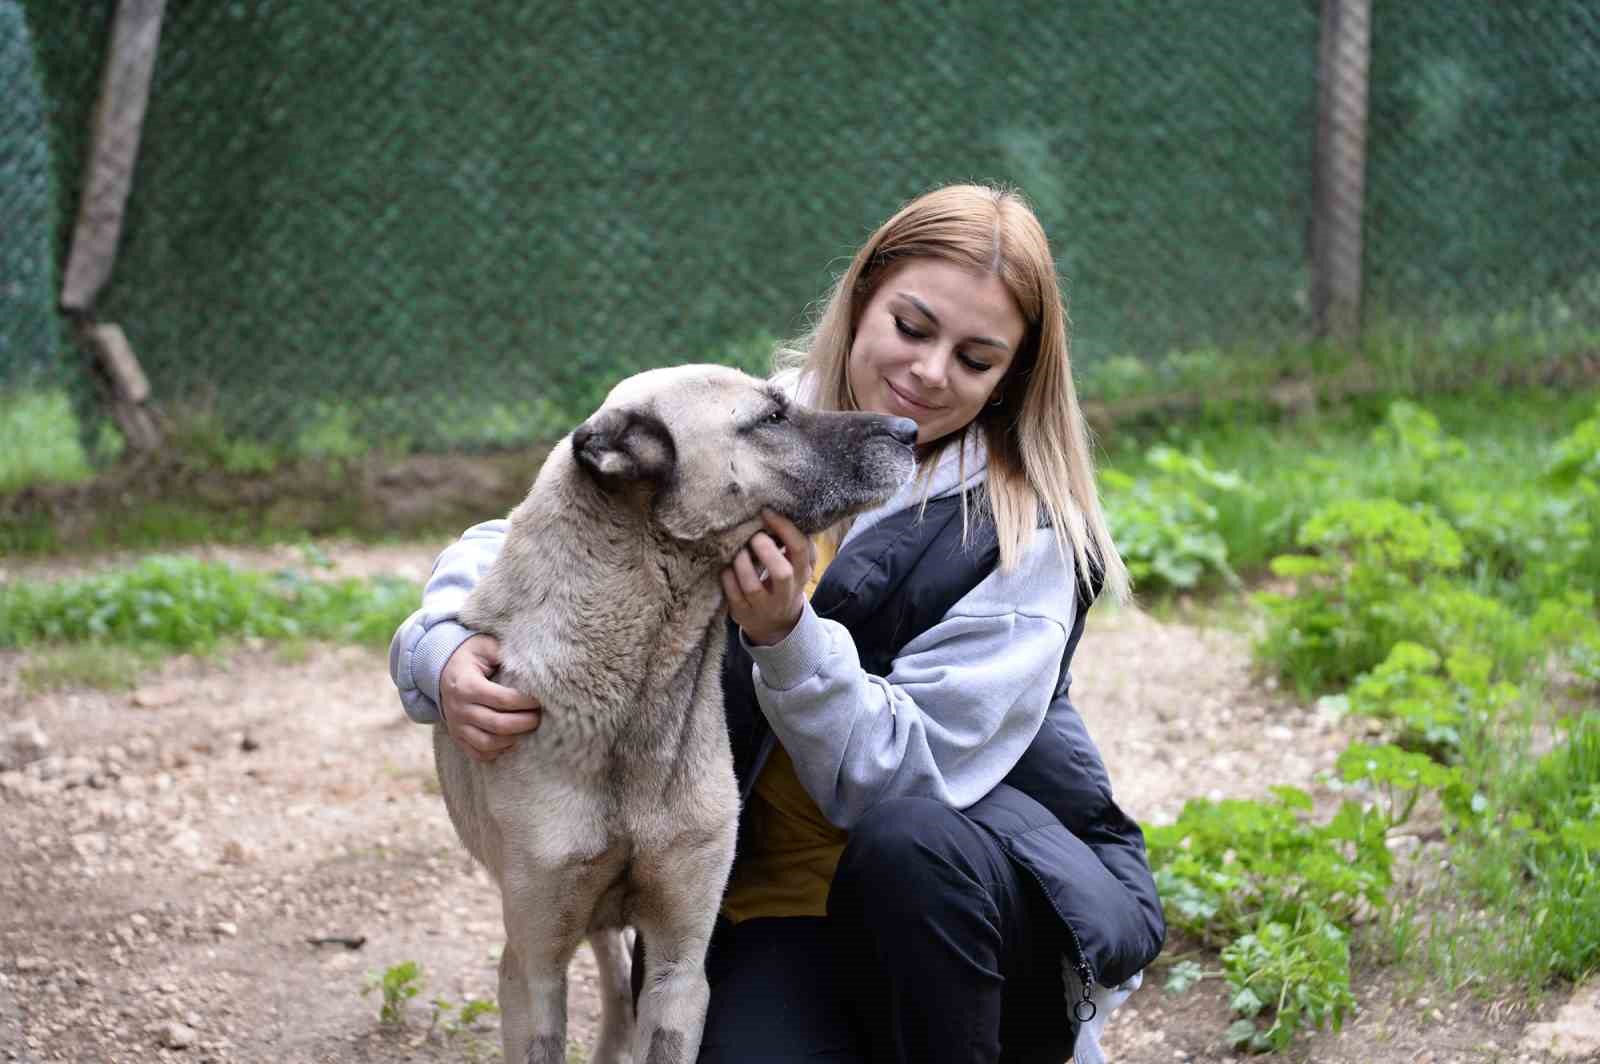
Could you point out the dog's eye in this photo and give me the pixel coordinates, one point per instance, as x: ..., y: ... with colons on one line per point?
x: 777, y: 417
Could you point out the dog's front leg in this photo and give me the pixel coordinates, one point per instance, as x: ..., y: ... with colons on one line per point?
x: 677, y: 898
x: 616, y: 996
x: 540, y: 940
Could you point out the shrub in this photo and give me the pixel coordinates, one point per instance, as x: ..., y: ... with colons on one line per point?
x: 1275, y: 891
x: 1163, y: 524
x: 1344, y: 611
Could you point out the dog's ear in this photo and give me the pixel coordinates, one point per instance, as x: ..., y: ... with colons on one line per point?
x: 619, y: 445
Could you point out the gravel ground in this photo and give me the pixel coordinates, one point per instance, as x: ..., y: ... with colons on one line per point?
x: 173, y: 851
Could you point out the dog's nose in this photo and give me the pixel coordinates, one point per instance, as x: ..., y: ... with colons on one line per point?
x: 902, y: 429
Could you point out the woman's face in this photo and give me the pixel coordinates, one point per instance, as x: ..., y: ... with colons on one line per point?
x: 933, y: 345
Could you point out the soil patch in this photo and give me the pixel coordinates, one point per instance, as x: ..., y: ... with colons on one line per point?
x: 172, y: 857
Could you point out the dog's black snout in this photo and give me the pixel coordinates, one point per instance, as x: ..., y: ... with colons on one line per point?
x: 901, y: 428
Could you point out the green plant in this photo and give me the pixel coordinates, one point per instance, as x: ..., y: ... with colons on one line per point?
x: 184, y: 604
x: 1400, y: 778
x: 1163, y: 523
x: 1341, y: 617
x: 1287, y: 975
x: 1530, y: 855
x: 1568, y: 625
x: 1417, y: 452
x: 1576, y: 456
x: 451, y: 1019
x: 1275, y: 891
x: 1431, y: 703
x: 1525, y: 539
x: 398, y: 983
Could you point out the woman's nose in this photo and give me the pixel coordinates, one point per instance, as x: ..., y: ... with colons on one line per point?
x: 932, y: 369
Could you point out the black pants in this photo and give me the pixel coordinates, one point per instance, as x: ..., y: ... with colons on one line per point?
x: 935, y: 949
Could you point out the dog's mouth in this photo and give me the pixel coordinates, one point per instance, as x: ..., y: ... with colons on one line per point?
x: 880, y: 468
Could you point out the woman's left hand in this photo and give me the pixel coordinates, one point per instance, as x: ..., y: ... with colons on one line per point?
x: 768, y: 609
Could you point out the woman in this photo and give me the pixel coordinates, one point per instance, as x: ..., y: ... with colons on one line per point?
x: 931, y: 866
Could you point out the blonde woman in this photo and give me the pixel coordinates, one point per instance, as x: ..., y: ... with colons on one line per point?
x: 931, y: 866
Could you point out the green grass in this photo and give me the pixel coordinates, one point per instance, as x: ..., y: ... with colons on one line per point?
x: 39, y: 441
x: 1397, y: 357
x: 181, y: 604
x: 1536, y: 858
x: 102, y: 666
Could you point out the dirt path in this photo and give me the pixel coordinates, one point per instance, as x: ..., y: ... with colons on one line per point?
x: 167, y: 864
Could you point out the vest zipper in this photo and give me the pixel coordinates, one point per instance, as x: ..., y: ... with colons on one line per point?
x: 1084, y: 1009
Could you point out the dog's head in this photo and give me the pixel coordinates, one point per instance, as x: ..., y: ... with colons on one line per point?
x: 702, y: 449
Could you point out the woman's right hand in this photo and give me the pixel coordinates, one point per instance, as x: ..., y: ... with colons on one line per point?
x: 483, y: 717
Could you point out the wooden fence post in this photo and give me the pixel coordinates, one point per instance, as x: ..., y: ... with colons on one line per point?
x: 1339, y: 168
x: 108, y: 177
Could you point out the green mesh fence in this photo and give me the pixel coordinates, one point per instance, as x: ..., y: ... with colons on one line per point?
x: 1483, y: 177
x: 443, y: 226
x: 29, y: 340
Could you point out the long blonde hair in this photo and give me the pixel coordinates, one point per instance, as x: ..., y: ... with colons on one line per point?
x: 1037, y: 440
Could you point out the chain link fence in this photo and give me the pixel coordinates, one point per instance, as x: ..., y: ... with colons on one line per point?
x: 1483, y: 190
x: 444, y: 227
x: 29, y: 337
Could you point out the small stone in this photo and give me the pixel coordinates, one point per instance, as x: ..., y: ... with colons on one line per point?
x: 31, y: 964
x: 157, y: 697
x: 225, y: 927
x: 175, y: 1035
x: 236, y: 852
x: 1573, y: 1033
x: 78, y: 770
x: 22, y: 742
x: 186, y: 842
x: 47, y: 768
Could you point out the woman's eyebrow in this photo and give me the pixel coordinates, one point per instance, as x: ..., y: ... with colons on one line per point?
x: 927, y: 312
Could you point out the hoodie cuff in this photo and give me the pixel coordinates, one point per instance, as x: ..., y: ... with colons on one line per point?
x: 433, y: 650
x: 798, y: 657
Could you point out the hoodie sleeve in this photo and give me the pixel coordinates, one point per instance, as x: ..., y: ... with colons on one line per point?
x: 957, y: 710
x: 427, y: 638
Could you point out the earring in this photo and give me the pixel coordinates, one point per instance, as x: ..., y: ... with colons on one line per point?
x: 999, y: 400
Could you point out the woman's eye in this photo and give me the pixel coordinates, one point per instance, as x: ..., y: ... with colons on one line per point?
x: 974, y: 365
x: 906, y: 329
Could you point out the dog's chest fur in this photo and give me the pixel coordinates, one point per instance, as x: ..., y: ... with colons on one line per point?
x: 620, y: 636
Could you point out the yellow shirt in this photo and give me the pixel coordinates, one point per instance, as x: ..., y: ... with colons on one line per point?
x: 790, y: 849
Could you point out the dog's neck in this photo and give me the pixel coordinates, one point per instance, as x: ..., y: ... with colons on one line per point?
x: 587, y: 579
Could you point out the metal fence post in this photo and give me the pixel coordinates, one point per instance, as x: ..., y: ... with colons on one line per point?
x: 1339, y: 168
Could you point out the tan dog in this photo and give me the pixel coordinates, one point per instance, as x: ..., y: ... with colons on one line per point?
x: 621, y: 809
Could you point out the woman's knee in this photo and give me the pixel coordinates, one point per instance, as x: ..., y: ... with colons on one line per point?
x: 909, y: 853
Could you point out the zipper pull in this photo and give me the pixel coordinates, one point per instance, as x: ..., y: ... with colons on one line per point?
x: 1085, y: 1010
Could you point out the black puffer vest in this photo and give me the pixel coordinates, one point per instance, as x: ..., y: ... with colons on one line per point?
x: 1054, y: 814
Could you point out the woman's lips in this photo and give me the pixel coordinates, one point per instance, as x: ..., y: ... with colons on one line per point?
x: 913, y: 403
